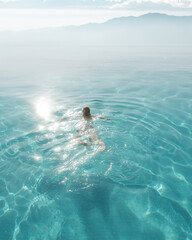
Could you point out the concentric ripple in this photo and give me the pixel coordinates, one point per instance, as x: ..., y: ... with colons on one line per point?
x: 139, y: 188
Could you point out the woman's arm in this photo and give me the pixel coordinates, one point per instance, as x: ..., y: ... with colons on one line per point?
x: 101, y: 117
x: 104, y: 118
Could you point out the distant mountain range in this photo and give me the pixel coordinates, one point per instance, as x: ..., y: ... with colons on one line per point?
x: 62, y: 50
x: 151, y: 17
x: 149, y: 29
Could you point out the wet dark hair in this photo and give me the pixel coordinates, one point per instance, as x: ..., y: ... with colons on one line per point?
x: 86, y: 112
x: 87, y: 109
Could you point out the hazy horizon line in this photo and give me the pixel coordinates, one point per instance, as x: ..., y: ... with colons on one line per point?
x: 58, y: 25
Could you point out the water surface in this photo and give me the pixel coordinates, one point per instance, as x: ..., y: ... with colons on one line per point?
x: 138, y: 189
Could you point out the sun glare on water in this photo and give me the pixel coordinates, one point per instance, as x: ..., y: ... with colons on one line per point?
x: 43, y: 108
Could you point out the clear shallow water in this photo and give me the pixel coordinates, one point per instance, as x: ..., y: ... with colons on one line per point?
x: 139, y: 188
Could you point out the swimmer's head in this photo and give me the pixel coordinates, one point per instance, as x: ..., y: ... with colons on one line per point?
x: 86, y: 112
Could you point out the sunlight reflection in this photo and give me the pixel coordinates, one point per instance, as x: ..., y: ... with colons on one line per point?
x: 54, y: 127
x: 37, y: 158
x: 57, y: 149
x: 41, y: 128
x: 43, y: 108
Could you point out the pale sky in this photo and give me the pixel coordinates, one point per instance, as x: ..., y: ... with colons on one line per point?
x: 32, y: 14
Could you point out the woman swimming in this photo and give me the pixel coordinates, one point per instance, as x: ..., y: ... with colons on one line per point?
x: 86, y: 128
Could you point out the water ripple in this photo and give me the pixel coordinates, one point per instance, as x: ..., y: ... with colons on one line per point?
x: 140, y: 186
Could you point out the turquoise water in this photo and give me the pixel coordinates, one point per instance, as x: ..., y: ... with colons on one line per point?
x: 139, y: 188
